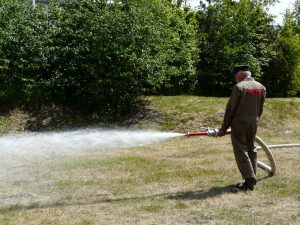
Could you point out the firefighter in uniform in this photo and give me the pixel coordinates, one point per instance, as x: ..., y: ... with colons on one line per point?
x: 243, y: 110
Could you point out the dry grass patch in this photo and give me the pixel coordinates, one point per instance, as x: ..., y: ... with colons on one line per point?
x: 181, y: 181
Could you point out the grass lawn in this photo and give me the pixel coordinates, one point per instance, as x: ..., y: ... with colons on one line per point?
x: 179, y: 181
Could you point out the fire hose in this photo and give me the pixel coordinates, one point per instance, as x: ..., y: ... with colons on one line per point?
x: 271, y: 170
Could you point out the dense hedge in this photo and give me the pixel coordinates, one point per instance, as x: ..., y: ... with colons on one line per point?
x: 93, y: 55
x: 101, y: 57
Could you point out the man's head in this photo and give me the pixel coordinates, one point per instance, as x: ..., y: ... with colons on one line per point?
x: 241, y: 72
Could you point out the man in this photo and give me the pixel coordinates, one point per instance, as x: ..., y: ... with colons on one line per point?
x: 243, y: 110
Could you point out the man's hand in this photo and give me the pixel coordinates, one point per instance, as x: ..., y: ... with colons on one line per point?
x: 221, y: 132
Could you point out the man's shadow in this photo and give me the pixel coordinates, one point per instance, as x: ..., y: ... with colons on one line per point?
x: 204, y: 194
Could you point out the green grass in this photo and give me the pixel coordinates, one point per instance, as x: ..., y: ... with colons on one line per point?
x: 179, y: 181
x: 183, y: 113
x: 178, y: 111
x: 5, y: 123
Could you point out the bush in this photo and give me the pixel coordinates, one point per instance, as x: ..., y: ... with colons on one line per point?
x: 94, y: 56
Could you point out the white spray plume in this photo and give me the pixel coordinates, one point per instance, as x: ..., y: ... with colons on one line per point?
x: 35, y: 144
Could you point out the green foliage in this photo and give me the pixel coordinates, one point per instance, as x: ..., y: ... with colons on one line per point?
x: 100, y: 57
x: 94, y: 56
x: 13, y: 16
x: 94, y: 62
x: 165, y: 46
x: 232, y: 33
x: 25, y: 52
x: 282, y: 77
x: 297, y: 11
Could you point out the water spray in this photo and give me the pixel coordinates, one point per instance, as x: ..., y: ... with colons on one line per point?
x: 271, y: 170
x: 51, y: 144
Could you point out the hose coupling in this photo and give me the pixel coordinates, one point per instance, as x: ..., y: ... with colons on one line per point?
x: 212, y: 132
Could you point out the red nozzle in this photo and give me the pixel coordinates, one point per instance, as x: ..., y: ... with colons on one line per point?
x: 207, y: 132
x: 189, y: 134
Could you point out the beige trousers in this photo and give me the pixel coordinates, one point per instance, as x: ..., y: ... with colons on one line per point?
x: 243, y: 131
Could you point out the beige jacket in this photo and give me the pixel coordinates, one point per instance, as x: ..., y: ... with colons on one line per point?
x: 246, y: 100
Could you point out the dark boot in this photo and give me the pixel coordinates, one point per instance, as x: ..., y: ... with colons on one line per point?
x: 247, y: 185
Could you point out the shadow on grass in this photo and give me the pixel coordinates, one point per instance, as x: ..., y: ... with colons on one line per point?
x: 202, y: 194
x: 191, y: 195
x: 213, y: 192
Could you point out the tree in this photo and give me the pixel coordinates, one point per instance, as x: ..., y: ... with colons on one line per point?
x: 297, y: 11
x: 282, y: 76
x: 165, y: 45
x: 18, y: 50
x: 232, y: 33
